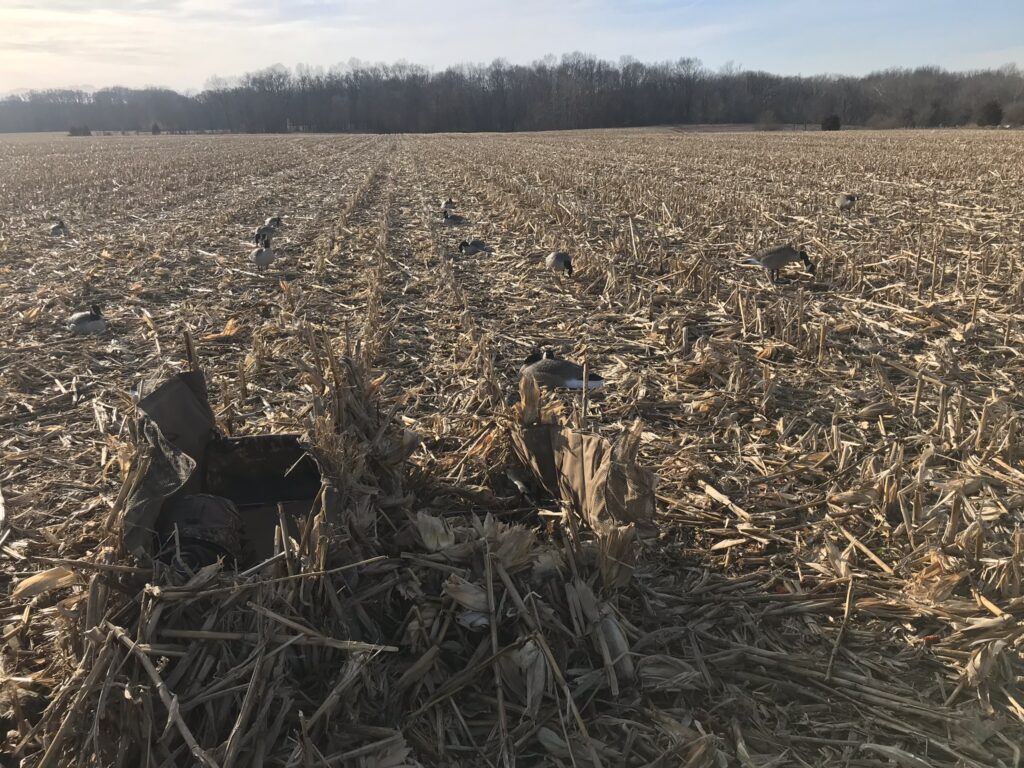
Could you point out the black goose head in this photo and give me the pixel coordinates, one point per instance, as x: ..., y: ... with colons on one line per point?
x: 534, y: 357
x: 463, y: 246
x: 811, y: 268
x: 95, y: 309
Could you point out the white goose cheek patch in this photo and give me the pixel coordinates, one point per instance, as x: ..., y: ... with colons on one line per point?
x: 578, y: 384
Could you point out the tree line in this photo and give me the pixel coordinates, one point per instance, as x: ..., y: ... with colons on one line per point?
x: 577, y: 91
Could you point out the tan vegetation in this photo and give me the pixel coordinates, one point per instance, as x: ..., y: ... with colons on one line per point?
x: 835, y: 578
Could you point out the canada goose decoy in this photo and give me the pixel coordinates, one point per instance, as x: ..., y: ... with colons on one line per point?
x: 845, y: 201
x: 262, y: 257
x: 552, y: 371
x: 264, y: 235
x: 59, y: 229
x: 451, y: 219
x: 559, y: 261
x: 774, y: 259
x: 473, y: 246
x: 90, y: 322
x: 448, y: 205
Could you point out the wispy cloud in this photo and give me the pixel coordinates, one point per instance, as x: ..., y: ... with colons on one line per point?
x: 55, y: 46
x: 119, y: 6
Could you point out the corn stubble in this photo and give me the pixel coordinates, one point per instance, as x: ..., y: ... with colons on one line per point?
x: 837, y: 576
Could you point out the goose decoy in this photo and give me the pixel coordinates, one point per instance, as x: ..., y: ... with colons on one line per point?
x: 274, y: 221
x: 90, y: 322
x: 559, y: 261
x: 473, y: 246
x: 59, y: 229
x: 262, y: 257
x: 845, y: 201
x: 451, y: 219
x: 555, y: 372
x: 774, y: 259
x: 448, y: 205
x: 264, y: 235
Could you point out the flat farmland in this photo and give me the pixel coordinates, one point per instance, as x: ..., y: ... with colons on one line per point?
x: 836, y: 572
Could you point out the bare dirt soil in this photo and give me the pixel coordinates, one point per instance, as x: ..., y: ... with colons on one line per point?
x: 836, y: 576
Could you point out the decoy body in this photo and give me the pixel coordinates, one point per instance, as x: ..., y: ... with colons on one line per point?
x: 264, y: 235
x: 774, y: 259
x: 471, y: 247
x: 845, y: 201
x: 262, y: 257
x: 59, y: 229
x: 450, y: 219
x: 90, y: 322
x: 551, y: 371
x: 559, y: 261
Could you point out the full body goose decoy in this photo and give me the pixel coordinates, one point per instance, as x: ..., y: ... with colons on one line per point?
x: 451, y: 219
x: 473, y: 246
x: 59, y: 229
x: 262, y: 257
x: 90, y: 322
x: 448, y: 205
x: 551, y: 371
x: 774, y: 259
x: 559, y: 261
x: 845, y: 201
x: 265, y: 234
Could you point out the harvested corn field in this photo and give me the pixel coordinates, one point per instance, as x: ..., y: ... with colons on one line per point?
x: 831, y: 571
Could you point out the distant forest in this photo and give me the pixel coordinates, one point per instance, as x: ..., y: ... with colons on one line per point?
x: 578, y: 91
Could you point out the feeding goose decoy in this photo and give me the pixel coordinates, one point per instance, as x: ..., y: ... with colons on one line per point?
x: 264, y: 235
x: 559, y: 261
x: 451, y: 219
x: 473, y: 246
x: 845, y: 201
x: 262, y: 257
x: 90, y: 322
x: 774, y: 259
x: 59, y: 229
x: 448, y: 205
x: 552, y: 371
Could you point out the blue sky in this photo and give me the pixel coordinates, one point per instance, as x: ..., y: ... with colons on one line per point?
x: 180, y: 43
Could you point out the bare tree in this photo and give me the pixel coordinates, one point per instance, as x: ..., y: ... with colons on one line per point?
x: 575, y: 91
